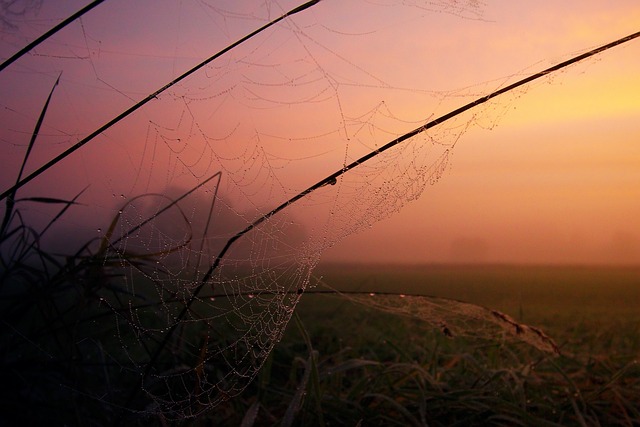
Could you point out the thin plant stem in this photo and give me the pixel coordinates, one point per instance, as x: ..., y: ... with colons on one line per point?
x: 331, y: 179
x: 173, y: 328
x: 150, y: 97
x: 11, y: 199
x: 49, y: 33
x: 214, y: 198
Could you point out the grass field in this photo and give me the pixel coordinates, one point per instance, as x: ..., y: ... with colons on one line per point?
x: 342, y: 363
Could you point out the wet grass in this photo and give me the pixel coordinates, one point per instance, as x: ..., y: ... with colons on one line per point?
x: 376, y: 368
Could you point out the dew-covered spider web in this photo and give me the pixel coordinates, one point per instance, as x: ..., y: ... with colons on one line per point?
x: 452, y: 317
x: 170, y: 255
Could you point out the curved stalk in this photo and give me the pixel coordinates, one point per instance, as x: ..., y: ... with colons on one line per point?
x: 151, y: 96
x: 331, y: 179
x: 48, y: 34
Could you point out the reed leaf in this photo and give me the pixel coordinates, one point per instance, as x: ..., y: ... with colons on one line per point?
x: 48, y: 34
x: 34, y: 135
x: 150, y: 97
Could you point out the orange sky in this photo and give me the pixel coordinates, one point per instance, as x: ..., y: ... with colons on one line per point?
x: 549, y: 174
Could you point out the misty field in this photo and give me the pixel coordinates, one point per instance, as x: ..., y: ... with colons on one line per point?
x: 346, y: 364
x: 173, y: 182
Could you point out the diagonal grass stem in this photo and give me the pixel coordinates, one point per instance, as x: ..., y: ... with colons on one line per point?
x: 49, y: 33
x: 150, y: 97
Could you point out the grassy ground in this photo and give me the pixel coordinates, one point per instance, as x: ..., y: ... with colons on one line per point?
x: 345, y: 364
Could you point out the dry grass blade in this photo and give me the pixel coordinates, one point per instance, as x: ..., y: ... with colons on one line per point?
x: 297, y: 399
x: 34, y: 135
x: 67, y: 204
x: 396, y: 406
x: 47, y: 200
x: 48, y: 34
x: 107, y: 238
x: 331, y: 179
x: 147, y: 99
x: 452, y: 317
x: 250, y: 416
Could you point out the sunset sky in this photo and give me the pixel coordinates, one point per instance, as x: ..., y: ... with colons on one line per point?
x: 547, y: 174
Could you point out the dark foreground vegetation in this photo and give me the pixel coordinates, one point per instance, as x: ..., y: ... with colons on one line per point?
x: 82, y: 341
x: 344, y: 364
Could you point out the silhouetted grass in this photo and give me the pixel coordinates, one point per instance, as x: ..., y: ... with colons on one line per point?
x: 59, y: 364
x: 379, y: 369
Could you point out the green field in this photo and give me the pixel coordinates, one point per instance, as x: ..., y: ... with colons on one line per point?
x: 346, y: 364
x: 534, y: 292
x: 396, y: 346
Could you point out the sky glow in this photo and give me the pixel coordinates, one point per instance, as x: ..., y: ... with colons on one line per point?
x: 547, y: 174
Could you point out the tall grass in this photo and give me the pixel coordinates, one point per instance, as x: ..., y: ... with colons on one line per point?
x: 30, y: 46
x: 64, y: 316
x: 57, y: 351
x: 78, y: 145
x: 380, y: 369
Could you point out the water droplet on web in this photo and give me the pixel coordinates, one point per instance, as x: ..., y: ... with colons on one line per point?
x: 99, y: 230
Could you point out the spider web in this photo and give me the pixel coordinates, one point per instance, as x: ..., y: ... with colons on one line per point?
x: 177, y: 328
